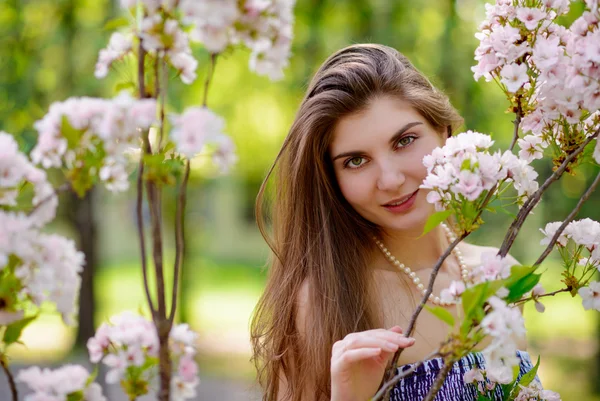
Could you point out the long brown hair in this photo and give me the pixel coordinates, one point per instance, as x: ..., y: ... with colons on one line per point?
x: 318, y: 238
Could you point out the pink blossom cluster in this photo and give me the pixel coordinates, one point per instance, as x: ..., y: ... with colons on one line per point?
x: 119, y: 45
x: 492, y: 267
x: 532, y: 392
x: 505, y: 325
x: 464, y: 170
x: 131, y: 341
x: 264, y: 26
x: 582, y: 234
x: 16, y: 171
x: 556, y: 70
x: 110, y: 126
x: 69, y: 382
x: 198, y: 127
x: 46, y: 266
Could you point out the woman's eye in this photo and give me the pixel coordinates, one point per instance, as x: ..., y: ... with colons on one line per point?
x: 355, y: 162
x: 405, y: 141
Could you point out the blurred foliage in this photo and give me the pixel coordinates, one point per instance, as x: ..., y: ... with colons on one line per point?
x: 49, y: 49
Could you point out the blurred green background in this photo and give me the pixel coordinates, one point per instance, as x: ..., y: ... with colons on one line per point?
x: 48, y: 51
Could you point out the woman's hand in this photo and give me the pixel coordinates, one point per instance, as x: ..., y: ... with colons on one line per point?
x: 358, y: 362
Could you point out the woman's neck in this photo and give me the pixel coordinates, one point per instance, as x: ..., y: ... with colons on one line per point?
x: 416, y: 251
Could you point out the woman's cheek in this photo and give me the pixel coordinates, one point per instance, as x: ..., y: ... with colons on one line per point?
x: 352, y: 188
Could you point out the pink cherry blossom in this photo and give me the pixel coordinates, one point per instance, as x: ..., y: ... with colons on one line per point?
x: 514, y: 76
x: 531, y: 148
x: 194, y: 128
x: 188, y: 369
x: 590, y: 296
x: 59, y: 384
x: 118, y: 46
x: 473, y: 375
x: 530, y: 16
x: 452, y: 293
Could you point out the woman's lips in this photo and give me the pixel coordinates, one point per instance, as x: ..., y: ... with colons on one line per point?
x: 404, y: 206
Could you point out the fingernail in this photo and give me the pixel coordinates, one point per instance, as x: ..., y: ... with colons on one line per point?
x: 411, y: 339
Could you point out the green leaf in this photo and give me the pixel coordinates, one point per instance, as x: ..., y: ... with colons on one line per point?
x: 435, y: 219
x: 116, y: 23
x: 522, y: 280
x: 528, y: 377
x: 126, y: 85
x: 92, y: 376
x: 517, y: 272
x: 76, y: 396
x: 507, y: 390
x: 13, y: 331
x: 442, y: 314
x: 72, y: 135
x: 522, y: 286
x: 473, y: 299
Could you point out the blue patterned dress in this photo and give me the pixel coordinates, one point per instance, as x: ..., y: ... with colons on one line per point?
x: 415, y: 386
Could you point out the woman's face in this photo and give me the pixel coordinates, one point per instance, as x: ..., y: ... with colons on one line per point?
x: 378, y: 155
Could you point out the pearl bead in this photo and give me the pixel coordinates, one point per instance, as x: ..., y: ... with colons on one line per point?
x: 416, y: 280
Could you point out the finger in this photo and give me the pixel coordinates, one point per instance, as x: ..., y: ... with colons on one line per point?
x: 355, y: 355
x: 389, y: 341
x: 389, y: 335
x: 397, y: 329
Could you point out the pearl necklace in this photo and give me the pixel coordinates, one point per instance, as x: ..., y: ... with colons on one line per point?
x: 413, y: 276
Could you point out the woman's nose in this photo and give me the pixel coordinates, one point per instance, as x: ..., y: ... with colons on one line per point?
x: 390, y: 178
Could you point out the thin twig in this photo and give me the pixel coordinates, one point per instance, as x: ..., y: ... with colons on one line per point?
x: 389, y: 384
x: 413, y: 319
x: 517, y: 122
x: 159, y: 69
x: 11, y: 379
x: 516, y: 225
x: 570, y: 217
x: 140, y: 227
x: 550, y: 294
x: 64, y: 187
x: 209, y: 75
x: 179, y: 242
x: 141, y: 74
x: 157, y: 255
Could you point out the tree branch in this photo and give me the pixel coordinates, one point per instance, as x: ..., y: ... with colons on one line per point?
x: 550, y: 294
x: 11, y: 379
x: 570, y: 217
x: 516, y: 225
x: 140, y: 228
x: 413, y: 319
x: 64, y: 187
x: 141, y: 75
x: 516, y: 123
x: 209, y: 75
x: 179, y: 242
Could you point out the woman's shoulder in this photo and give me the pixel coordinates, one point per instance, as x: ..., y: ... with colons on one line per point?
x: 473, y: 253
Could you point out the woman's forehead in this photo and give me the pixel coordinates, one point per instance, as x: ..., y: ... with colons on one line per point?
x: 382, y: 118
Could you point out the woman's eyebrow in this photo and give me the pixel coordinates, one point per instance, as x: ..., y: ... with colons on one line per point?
x: 393, y: 139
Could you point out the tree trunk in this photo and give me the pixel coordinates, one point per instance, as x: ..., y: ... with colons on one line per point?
x: 82, y: 217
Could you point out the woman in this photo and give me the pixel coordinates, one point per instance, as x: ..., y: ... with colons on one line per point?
x: 348, y: 173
